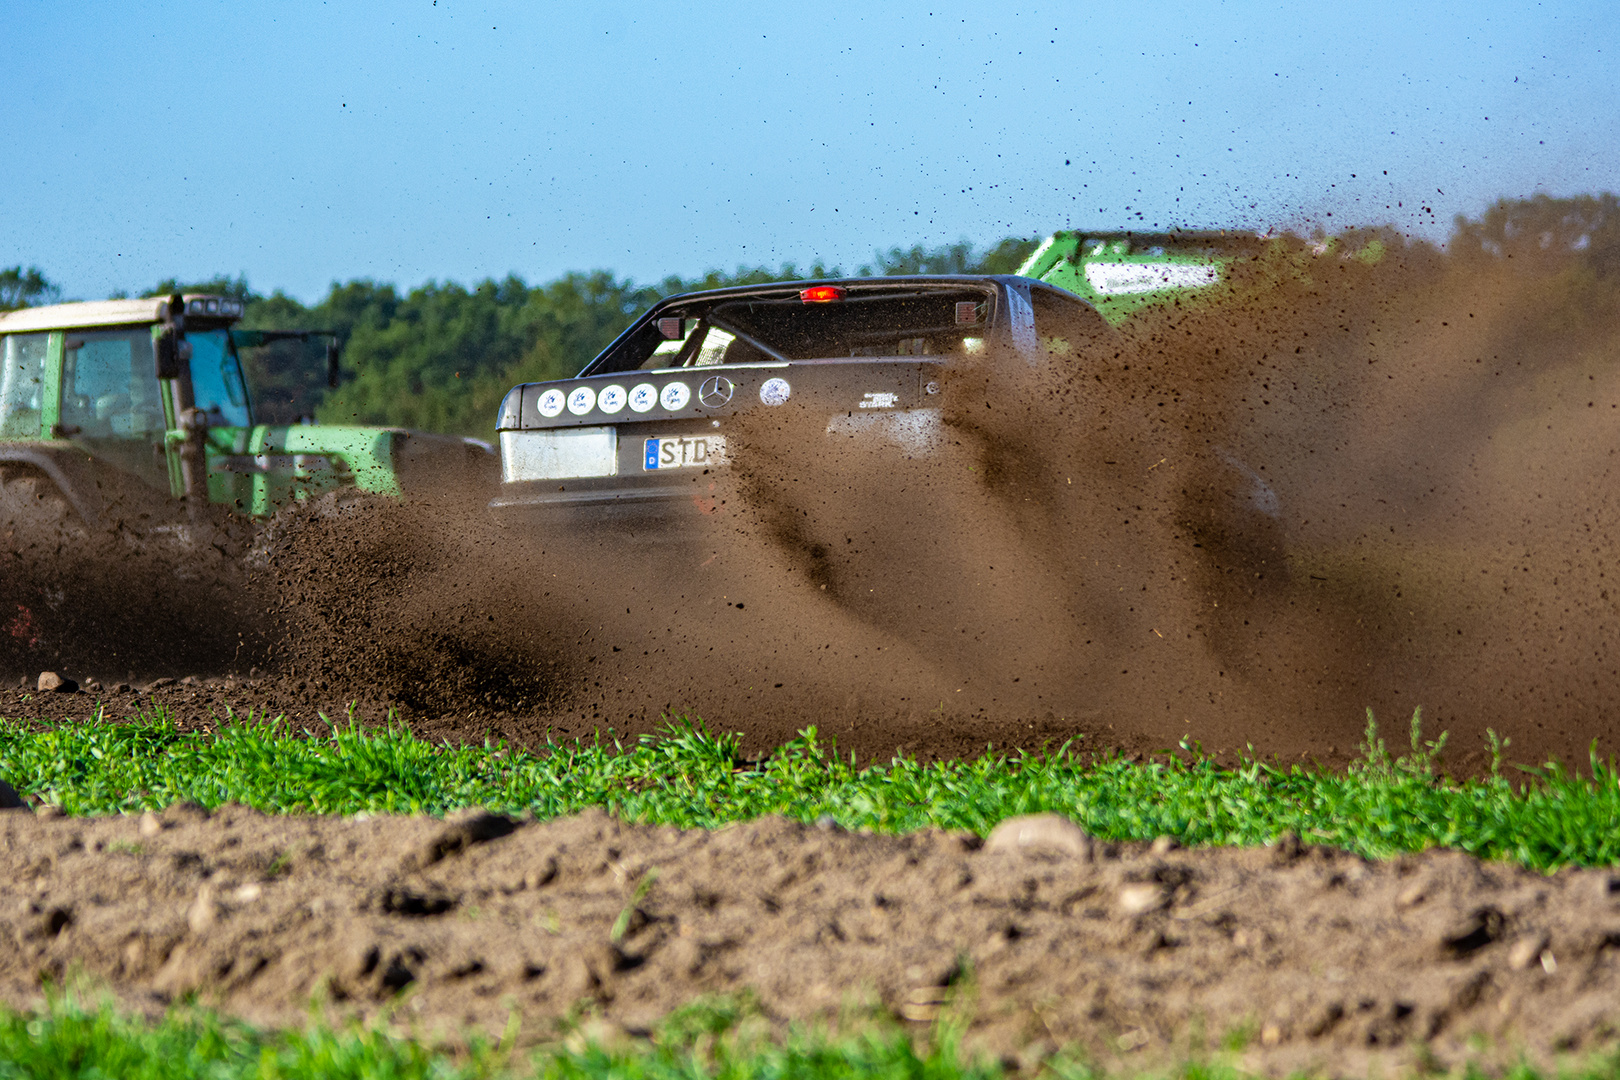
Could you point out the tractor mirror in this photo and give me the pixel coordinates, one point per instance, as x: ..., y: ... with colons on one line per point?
x: 333, y: 375
x: 166, y: 353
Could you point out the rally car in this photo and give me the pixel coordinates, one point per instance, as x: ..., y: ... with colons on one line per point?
x: 647, y: 425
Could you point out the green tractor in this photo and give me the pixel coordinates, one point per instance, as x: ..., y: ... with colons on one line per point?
x: 138, y: 484
x: 1121, y: 273
x: 135, y: 415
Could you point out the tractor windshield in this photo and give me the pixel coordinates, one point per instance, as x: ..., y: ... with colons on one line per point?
x: 216, y: 379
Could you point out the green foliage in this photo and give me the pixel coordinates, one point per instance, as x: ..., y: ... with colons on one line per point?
x: 68, y: 1042
x: 65, y: 1041
x: 21, y: 288
x: 1542, y: 231
x: 1376, y: 763
x: 688, y: 777
x: 713, y: 1039
x: 719, y: 1038
x: 958, y: 258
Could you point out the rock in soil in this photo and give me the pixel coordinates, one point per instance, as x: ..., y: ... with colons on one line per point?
x: 1122, y: 954
x: 52, y: 683
x: 1051, y: 835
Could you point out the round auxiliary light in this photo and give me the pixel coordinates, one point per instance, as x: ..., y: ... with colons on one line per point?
x: 213, y: 307
x: 551, y: 402
x: 581, y: 400
x: 675, y: 396
x: 643, y: 397
x: 611, y: 399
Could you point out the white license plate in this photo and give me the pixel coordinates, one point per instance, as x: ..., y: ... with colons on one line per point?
x: 684, y: 452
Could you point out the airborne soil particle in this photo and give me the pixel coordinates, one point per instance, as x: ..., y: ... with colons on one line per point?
x: 1336, y: 960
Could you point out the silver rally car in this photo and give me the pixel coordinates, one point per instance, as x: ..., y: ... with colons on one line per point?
x: 647, y: 424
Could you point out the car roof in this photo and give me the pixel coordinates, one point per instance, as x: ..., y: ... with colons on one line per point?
x: 789, y: 287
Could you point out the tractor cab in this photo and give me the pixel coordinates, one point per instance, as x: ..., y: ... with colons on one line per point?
x: 126, y: 404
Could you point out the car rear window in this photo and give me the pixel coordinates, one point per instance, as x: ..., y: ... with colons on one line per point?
x: 707, y: 331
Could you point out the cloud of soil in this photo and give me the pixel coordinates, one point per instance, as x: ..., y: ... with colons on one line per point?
x: 1242, y: 521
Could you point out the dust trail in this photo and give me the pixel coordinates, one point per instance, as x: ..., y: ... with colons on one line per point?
x: 1244, y: 522
x: 120, y: 604
x: 1340, y: 487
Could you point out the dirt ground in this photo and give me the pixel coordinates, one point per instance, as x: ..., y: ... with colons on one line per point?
x: 1039, y: 938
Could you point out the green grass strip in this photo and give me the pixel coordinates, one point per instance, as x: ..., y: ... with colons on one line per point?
x: 688, y: 777
x: 68, y: 1042
x: 708, y: 1040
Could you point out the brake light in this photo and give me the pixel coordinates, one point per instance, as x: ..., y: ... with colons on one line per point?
x: 821, y: 294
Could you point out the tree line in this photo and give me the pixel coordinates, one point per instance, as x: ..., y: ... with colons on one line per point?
x: 439, y: 357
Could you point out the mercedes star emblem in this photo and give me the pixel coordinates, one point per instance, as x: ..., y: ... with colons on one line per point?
x: 715, y: 391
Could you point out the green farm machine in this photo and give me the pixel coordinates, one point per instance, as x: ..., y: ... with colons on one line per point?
x: 1121, y: 273
x: 135, y: 415
x: 136, y: 473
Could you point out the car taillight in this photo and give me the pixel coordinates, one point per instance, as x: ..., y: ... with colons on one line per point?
x: 821, y: 294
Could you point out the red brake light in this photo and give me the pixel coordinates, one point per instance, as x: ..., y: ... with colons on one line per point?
x: 821, y: 294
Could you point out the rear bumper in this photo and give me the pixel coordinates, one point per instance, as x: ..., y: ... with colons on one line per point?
x: 682, y: 508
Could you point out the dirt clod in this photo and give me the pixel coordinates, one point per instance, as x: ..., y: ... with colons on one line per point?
x: 460, y: 832
x: 1142, y: 898
x: 204, y: 911
x: 1527, y: 950
x: 1481, y: 927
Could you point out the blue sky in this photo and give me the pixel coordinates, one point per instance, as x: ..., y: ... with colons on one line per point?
x: 302, y: 143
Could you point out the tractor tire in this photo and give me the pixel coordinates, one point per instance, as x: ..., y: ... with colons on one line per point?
x: 34, y: 515
x: 37, y: 525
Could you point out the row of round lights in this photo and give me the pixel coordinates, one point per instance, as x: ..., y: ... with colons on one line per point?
x: 613, y: 398
x: 212, y: 305
x: 642, y: 397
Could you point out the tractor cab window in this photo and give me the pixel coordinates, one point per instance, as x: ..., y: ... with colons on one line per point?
x: 21, y: 382
x: 109, y: 385
x: 216, y: 379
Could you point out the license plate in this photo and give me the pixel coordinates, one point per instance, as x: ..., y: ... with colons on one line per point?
x: 684, y: 452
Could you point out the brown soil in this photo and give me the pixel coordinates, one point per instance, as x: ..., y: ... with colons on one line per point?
x: 1327, y: 961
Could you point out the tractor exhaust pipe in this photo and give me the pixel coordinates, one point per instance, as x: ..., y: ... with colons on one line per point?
x: 172, y: 353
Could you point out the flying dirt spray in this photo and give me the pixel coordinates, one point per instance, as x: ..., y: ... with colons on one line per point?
x: 1332, y: 487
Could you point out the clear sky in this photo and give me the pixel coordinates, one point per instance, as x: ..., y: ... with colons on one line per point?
x: 302, y: 143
